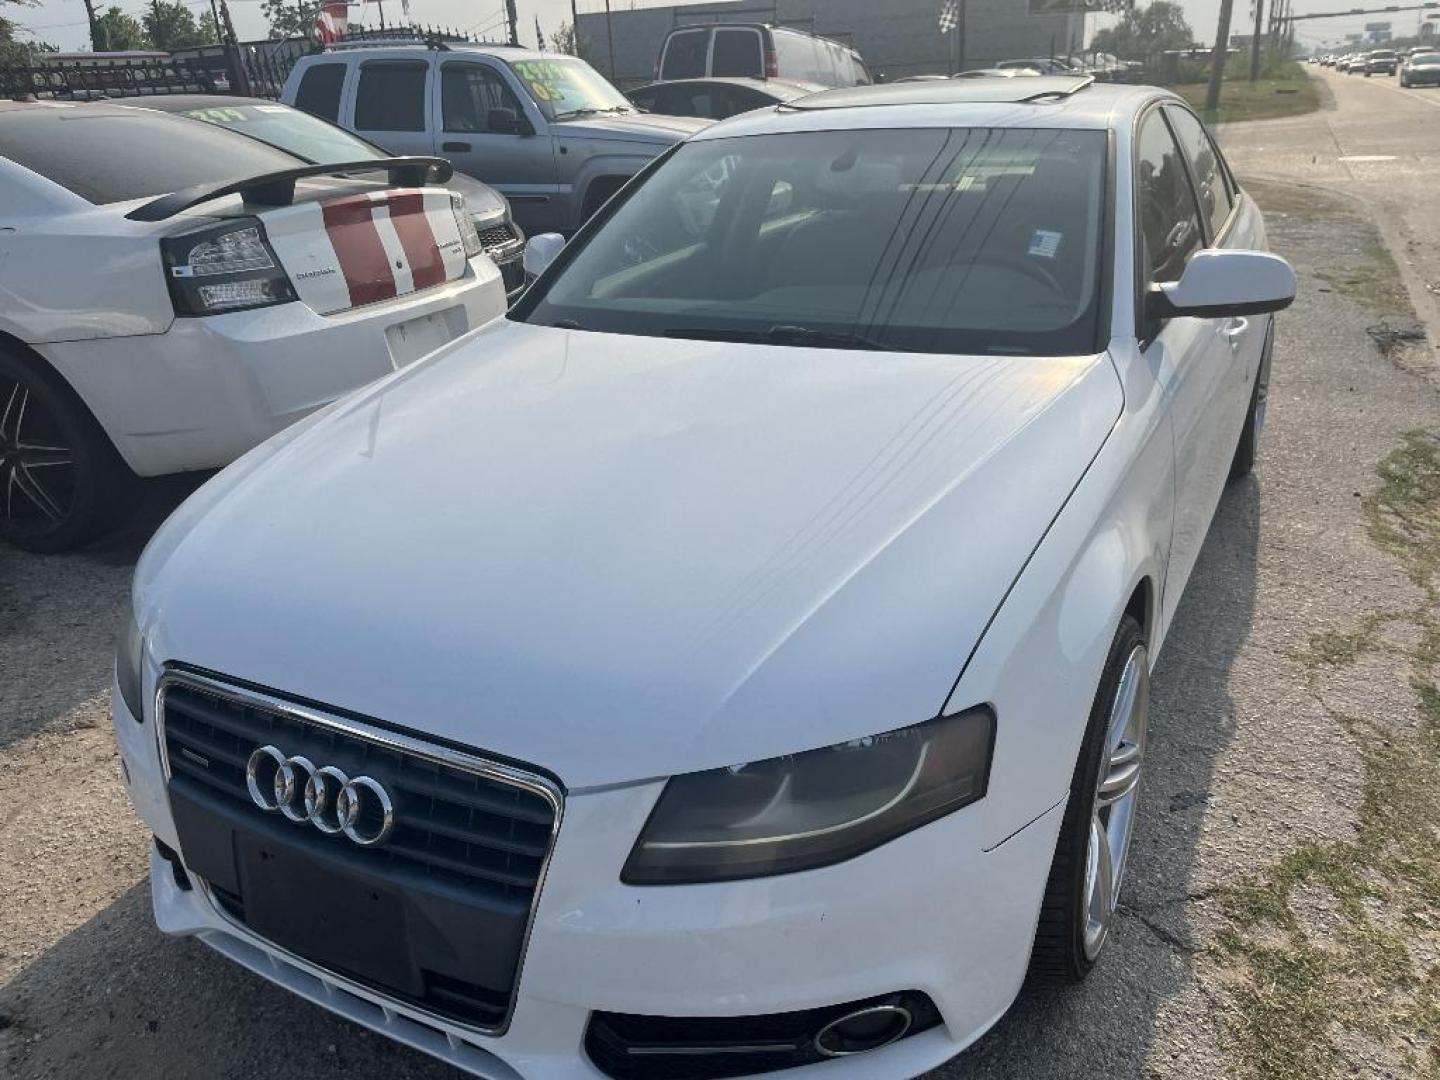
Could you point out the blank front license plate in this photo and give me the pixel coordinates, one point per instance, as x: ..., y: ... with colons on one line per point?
x: 412, y: 339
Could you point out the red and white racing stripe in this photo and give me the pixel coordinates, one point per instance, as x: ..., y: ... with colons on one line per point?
x: 363, y: 248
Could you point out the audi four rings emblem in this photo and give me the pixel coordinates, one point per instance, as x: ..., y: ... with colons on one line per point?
x: 324, y: 796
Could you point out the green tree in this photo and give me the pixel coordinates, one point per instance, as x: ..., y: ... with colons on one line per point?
x: 172, y: 25
x: 12, y: 50
x: 563, y: 40
x: 209, y: 29
x: 1143, y: 32
x: 290, y: 18
x: 115, y: 32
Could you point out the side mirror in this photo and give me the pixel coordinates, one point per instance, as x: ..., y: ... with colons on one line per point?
x: 540, y: 252
x: 508, y: 122
x: 1225, y: 284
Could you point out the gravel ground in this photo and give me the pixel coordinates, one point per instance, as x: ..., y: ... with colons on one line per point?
x: 1249, y: 763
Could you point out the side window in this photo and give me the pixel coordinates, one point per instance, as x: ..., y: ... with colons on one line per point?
x: 644, y: 100
x: 685, y: 55
x: 737, y: 52
x: 1204, y: 161
x: 467, y: 94
x: 1169, y: 226
x: 391, y: 96
x: 319, y: 91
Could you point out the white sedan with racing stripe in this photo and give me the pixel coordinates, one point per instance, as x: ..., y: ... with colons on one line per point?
x: 172, y: 294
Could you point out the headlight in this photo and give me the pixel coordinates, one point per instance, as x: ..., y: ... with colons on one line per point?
x: 815, y: 808
x: 128, y: 660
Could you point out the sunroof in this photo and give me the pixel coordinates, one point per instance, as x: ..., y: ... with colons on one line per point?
x: 947, y: 92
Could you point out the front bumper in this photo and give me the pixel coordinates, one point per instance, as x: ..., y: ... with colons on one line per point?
x: 209, y: 389
x: 931, y: 911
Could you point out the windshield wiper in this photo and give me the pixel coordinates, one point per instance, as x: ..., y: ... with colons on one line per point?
x: 591, y: 111
x: 784, y: 334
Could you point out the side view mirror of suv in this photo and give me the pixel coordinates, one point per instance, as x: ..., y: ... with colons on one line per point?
x: 508, y: 122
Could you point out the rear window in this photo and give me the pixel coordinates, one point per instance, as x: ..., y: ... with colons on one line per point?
x: 391, y: 96
x: 963, y: 240
x: 319, y: 91
x: 107, y: 157
x: 685, y: 55
x: 737, y: 52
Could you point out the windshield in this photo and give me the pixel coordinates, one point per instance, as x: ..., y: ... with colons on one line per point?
x: 303, y: 135
x: 965, y: 240
x: 567, y: 88
x: 1425, y: 58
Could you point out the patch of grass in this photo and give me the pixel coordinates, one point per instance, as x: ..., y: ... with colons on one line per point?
x: 1301, y: 994
x: 1372, y: 278
x: 1296, y: 201
x: 1266, y: 99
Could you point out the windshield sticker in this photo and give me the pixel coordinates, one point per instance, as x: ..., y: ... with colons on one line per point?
x: 217, y: 116
x: 545, y: 78
x: 1044, y: 244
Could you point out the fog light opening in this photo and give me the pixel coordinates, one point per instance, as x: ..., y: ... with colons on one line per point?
x: 863, y: 1030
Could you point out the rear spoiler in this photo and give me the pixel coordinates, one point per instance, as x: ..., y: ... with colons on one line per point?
x: 278, y: 188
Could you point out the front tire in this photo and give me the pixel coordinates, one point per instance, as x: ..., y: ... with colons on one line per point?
x: 1083, y: 890
x: 60, y: 479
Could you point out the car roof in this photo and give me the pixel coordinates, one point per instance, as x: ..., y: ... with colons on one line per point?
x: 1043, y: 102
x: 186, y: 102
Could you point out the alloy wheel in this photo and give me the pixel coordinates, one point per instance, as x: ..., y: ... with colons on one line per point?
x: 37, y: 468
x: 1112, y: 818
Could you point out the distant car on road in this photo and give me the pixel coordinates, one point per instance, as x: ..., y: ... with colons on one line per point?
x: 758, y: 51
x: 716, y: 99
x: 1422, y: 69
x: 546, y: 130
x: 320, y: 142
x: 187, y: 293
x: 1382, y: 62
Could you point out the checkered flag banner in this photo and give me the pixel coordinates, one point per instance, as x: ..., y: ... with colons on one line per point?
x: 949, y: 16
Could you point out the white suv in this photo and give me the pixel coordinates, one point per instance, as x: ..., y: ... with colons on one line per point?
x: 172, y: 294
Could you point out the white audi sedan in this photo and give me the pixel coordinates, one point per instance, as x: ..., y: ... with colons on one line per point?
x: 172, y: 294
x: 735, y: 660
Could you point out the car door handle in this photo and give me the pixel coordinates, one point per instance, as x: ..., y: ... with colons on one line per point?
x: 455, y: 147
x: 1235, y: 330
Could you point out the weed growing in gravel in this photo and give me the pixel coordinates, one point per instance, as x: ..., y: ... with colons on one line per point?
x: 1304, y: 992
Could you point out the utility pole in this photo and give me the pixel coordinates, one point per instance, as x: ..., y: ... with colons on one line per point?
x: 1217, y: 58
x: 95, y: 45
x: 1255, y: 43
x: 575, y: 27
x: 609, y: 38
x: 512, y: 21
x: 539, y: 35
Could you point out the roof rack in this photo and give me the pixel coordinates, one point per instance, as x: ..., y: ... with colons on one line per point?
x: 381, y: 43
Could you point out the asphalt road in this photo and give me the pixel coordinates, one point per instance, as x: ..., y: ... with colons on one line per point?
x: 1246, y: 762
x: 1377, y: 142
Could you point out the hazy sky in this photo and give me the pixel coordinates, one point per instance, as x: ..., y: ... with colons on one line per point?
x: 62, y: 22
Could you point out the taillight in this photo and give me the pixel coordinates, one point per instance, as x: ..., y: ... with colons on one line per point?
x: 469, y: 235
x: 772, y: 68
x: 220, y: 268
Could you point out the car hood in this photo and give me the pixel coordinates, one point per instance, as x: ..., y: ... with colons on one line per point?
x: 481, y: 199
x: 637, y: 127
x: 623, y: 557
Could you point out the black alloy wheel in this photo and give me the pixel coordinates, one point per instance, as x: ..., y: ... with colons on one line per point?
x: 59, y: 476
